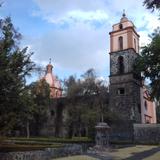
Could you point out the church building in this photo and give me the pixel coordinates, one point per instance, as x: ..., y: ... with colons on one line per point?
x: 54, y: 83
x: 128, y: 96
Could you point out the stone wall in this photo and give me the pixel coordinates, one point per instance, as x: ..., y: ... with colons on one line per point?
x: 47, y: 154
x: 121, y: 131
x: 129, y: 56
x: 147, y: 133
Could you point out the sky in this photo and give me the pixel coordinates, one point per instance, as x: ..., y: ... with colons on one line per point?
x: 74, y: 33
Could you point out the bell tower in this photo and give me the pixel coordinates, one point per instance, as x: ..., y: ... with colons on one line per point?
x: 124, y: 85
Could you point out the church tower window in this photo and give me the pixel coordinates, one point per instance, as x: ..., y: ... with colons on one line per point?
x: 145, y: 105
x: 135, y: 44
x: 120, y: 40
x: 121, y: 91
x: 120, y: 26
x: 120, y: 65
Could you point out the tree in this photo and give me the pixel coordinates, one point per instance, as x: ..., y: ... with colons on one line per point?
x: 15, y: 65
x: 149, y: 63
x: 152, y: 4
x: 87, y: 100
x: 26, y: 114
x: 40, y: 93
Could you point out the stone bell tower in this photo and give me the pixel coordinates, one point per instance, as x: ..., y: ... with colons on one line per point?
x: 124, y: 85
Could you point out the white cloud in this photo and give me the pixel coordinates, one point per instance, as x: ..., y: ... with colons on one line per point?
x: 83, y: 44
x: 144, y: 39
x: 81, y: 47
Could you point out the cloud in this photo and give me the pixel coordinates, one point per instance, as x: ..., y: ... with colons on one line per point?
x: 62, y: 6
x: 78, y: 48
x: 79, y: 39
x: 79, y: 16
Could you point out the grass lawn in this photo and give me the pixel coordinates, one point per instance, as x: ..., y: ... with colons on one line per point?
x: 10, y: 144
x: 53, y: 139
x: 26, y: 147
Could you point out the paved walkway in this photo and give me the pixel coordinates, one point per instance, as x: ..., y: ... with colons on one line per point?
x: 100, y: 157
x: 134, y: 152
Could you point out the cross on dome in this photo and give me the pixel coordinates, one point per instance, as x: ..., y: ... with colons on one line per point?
x: 124, y: 14
x: 50, y: 61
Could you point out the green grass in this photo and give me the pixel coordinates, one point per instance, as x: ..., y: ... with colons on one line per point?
x: 23, y: 147
x: 8, y: 144
x: 53, y: 139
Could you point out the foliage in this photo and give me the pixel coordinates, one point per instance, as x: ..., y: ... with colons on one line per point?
x: 149, y: 63
x: 152, y: 4
x: 15, y: 65
x: 40, y: 95
x: 87, y: 101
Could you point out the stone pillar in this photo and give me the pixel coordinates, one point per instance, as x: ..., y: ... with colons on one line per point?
x: 102, y: 135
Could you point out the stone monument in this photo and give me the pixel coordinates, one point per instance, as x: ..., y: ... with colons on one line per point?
x: 102, y: 135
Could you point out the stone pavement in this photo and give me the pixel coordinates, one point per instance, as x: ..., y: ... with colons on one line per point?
x: 132, y: 152
x: 99, y: 153
x: 100, y: 156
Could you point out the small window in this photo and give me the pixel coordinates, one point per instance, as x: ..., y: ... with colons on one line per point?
x: 120, y: 41
x: 120, y: 65
x: 121, y: 91
x: 120, y: 26
x: 56, y: 93
x: 145, y: 105
x: 52, y: 113
x: 135, y: 44
x: 139, y: 108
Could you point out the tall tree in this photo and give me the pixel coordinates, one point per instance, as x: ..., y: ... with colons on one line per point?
x: 87, y: 100
x: 15, y: 65
x: 40, y: 93
x: 149, y: 63
x: 152, y: 4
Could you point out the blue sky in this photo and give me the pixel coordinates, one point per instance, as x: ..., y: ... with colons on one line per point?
x: 74, y: 33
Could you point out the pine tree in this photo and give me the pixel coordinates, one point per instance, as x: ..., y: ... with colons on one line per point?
x: 15, y: 65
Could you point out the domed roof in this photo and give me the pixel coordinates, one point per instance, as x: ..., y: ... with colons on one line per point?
x: 50, y: 78
x: 124, y: 18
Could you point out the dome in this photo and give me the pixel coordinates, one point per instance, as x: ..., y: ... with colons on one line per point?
x: 124, y: 18
x: 54, y: 83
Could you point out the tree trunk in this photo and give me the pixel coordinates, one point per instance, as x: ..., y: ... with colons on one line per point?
x: 27, y: 129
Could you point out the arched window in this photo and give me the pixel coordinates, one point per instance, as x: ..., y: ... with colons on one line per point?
x: 120, y: 41
x: 52, y: 113
x: 56, y: 93
x: 135, y: 44
x: 120, y: 26
x: 145, y: 105
x: 120, y: 65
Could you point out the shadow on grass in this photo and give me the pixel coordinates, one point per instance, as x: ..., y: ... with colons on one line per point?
x: 144, y: 154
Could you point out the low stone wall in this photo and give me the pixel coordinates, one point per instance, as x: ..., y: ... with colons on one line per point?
x: 47, y: 154
x: 121, y: 131
x: 147, y: 133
